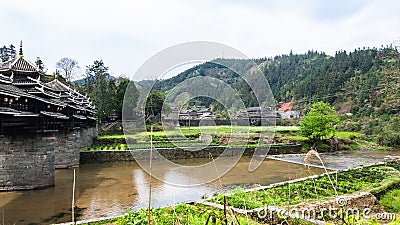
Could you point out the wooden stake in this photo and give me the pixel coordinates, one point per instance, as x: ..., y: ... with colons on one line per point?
x: 151, y: 156
x: 225, y: 219
x: 73, y: 200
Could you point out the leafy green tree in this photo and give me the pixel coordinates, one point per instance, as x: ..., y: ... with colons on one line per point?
x: 97, y: 87
x: 106, y: 92
x: 319, y: 122
x: 154, y: 105
x: 39, y: 63
x: 390, y: 134
x: 7, y: 53
x: 121, y: 94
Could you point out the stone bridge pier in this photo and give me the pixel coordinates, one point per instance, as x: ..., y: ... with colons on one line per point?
x: 29, y: 160
x: 68, y: 145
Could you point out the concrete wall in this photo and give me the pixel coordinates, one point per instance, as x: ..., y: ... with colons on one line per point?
x: 27, y: 161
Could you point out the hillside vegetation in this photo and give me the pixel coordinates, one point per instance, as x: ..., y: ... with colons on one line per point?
x: 362, y: 82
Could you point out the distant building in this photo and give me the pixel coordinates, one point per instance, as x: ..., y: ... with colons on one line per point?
x: 257, y: 116
x: 203, y: 113
x: 286, y: 112
x: 190, y: 117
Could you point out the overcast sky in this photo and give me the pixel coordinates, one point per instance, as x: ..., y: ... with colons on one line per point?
x: 126, y: 33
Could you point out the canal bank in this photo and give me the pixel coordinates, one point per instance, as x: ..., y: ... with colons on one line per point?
x: 183, y: 153
x: 110, y: 150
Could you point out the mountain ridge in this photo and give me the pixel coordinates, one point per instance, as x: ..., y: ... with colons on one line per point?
x: 363, y: 81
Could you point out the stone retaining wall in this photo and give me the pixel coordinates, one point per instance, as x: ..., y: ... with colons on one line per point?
x: 178, y: 153
x: 27, y: 161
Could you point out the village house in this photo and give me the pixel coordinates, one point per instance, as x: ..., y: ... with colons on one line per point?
x: 286, y: 112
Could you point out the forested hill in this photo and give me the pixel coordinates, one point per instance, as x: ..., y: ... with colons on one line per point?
x: 361, y: 82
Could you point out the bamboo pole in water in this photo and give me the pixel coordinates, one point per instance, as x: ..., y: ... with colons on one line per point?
x: 73, y: 200
x: 151, y: 156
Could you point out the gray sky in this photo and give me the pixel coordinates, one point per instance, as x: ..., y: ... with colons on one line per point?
x: 126, y: 33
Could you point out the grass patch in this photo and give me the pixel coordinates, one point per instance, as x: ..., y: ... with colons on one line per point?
x: 181, y: 214
x: 390, y: 201
x: 384, y: 148
x: 338, y: 134
x: 347, y: 134
x: 296, y: 138
x: 114, y: 136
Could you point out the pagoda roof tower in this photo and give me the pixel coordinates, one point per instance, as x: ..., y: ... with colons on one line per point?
x: 23, y: 93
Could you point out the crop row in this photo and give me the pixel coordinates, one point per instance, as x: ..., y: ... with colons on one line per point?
x: 345, y: 182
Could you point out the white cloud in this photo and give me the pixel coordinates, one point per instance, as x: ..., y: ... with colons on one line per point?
x: 126, y: 33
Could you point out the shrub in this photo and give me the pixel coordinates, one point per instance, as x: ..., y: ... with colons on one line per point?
x: 319, y: 122
x: 391, y: 201
x: 390, y: 134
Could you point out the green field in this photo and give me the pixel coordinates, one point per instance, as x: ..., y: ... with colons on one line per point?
x: 189, y: 137
x: 338, y: 134
x: 206, y: 130
x: 348, y: 182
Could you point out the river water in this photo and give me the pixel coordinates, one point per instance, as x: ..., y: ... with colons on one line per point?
x: 109, y: 189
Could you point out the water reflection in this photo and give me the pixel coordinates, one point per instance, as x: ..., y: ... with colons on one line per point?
x: 109, y: 189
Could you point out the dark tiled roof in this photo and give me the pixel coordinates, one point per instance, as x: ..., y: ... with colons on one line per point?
x: 6, y: 65
x: 12, y: 90
x: 14, y: 112
x: 24, y: 113
x: 19, y: 64
x: 80, y: 117
x: 20, y: 77
x: 6, y: 110
x: 5, y: 79
x: 54, y: 114
x: 17, y: 92
x: 23, y: 82
x: 56, y: 85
